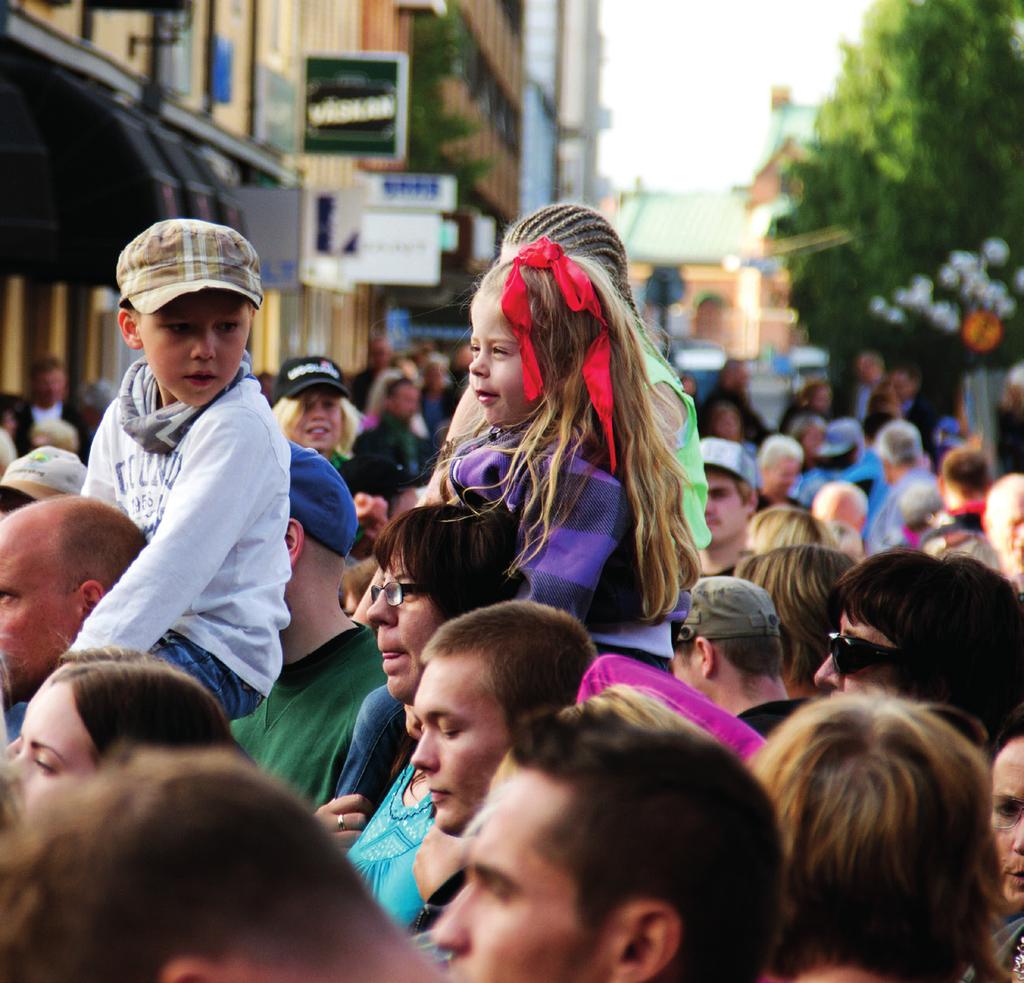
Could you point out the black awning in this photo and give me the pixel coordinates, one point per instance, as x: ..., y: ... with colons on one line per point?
x: 109, y: 181
x: 199, y: 191
x: 99, y: 169
x: 229, y: 208
x: 28, y: 216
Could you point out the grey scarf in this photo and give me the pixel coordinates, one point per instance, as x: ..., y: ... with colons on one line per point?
x: 157, y: 429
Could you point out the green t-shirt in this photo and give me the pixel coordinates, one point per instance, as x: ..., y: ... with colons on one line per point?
x: 302, y: 730
x: 695, y: 495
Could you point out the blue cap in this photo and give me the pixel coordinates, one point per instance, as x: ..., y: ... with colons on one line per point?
x: 842, y: 436
x: 320, y: 500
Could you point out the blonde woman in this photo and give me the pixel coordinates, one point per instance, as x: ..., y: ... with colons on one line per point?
x: 784, y: 525
x: 799, y: 580
x: 312, y: 407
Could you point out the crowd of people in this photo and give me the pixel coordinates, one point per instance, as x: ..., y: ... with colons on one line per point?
x: 506, y: 664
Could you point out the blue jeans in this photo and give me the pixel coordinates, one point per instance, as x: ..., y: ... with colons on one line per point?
x: 237, y: 698
x: 378, y: 730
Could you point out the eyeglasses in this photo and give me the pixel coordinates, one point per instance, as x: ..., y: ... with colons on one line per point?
x: 394, y: 593
x: 851, y: 654
x: 1006, y: 813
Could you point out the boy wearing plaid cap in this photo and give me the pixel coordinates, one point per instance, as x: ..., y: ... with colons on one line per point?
x: 191, y: 452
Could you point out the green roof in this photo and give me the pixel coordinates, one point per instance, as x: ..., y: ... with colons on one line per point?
x: 671, y: 229
x: 789, y: 122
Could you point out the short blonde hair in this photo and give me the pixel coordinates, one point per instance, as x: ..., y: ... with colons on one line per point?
x: 288, y: 409
x: 889, y: 860
x: 55, y: 433
x: 784, y: 525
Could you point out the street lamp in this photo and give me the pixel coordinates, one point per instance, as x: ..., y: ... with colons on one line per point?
x: 982, y: 303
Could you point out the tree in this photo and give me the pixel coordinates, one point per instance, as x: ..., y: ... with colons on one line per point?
x: 920, y: 151
x: 437, y: 136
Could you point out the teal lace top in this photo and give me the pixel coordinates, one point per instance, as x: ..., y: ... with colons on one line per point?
x: 386, y: 849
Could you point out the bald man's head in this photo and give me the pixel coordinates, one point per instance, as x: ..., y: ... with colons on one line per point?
x: 843, y: 502
x: 1004, y: 522
x: 57, y: 560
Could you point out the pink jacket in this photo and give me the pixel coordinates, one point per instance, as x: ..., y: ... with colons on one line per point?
x: 611, y: 670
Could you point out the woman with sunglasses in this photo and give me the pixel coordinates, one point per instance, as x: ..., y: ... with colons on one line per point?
x: 949, y: 630
x: 436, y: 562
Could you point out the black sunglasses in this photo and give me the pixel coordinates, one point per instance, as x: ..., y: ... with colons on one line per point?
x: 851, y: 654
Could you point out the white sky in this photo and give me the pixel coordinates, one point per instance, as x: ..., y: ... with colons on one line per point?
x: 688, y: 82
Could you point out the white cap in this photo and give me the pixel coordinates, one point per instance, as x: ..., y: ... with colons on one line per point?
x: 727, y: 455
x: 45, y: 473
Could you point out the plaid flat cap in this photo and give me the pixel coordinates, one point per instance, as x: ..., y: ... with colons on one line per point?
x: 182, y: 255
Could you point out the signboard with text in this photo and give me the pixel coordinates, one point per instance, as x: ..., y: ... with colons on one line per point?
x: 420, y: 192
x: 357, y: 105
x: 398, y: 248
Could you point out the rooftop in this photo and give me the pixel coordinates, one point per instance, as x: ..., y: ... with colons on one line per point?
x: 695, y: 227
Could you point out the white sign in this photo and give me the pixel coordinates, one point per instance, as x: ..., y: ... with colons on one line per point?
x: 422, y: 192
x: 331, y: 221
x: 397, y: 248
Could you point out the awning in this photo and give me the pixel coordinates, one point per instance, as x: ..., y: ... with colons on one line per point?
x: 229, y: 208
x: 199, y: 191
x: 112, y: 172
x: 28, y: 216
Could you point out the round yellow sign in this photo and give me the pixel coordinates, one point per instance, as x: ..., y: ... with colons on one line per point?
x: 982, y: 332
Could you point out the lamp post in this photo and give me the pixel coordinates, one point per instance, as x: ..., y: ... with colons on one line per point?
x: 978, y: 311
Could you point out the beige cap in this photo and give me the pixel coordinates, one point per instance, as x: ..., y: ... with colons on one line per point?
x: 728, y: 607
x: 45, y: 473
x: 183, y: 255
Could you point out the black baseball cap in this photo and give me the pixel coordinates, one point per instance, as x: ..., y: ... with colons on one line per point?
x: 298, y: 374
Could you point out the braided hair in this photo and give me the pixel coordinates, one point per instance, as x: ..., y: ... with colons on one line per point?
x: 580, y: 231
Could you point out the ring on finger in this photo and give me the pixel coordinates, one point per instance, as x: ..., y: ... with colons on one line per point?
x: 341, y: 823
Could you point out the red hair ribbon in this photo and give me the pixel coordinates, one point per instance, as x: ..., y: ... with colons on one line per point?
x: 579, y: 295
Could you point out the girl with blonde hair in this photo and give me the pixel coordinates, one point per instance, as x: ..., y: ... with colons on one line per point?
x: 574, y: 451
x: 584, y: 232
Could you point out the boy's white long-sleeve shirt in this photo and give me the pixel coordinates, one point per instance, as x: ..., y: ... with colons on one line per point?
x: 214, y: 512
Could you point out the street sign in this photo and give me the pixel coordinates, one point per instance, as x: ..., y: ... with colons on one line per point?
x: 664, y: 287
x: 357, y: 105
x: 982, y: 332
x: 421, y: 192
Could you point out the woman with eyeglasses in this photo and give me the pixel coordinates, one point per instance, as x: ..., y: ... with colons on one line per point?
x: 949, y: 630
x: 435, y: 563
x: 889, y: 872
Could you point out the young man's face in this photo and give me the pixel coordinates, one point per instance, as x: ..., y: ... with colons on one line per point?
x: 726, y: 513
x: 464, y: 737
x: 517, y: 920
x: 193, y: 345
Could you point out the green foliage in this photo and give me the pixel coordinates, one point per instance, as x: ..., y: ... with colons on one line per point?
x: 439, y: 50
x: 920, y: 152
